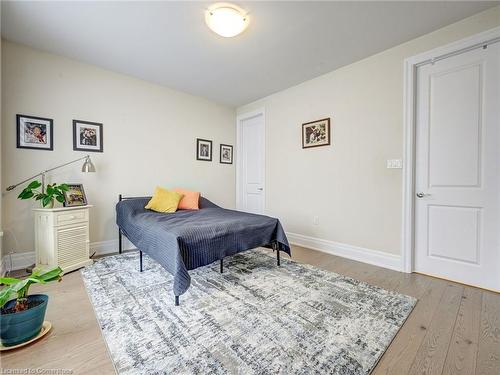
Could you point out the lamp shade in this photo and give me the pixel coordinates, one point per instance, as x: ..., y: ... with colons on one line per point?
x: 88, y: 166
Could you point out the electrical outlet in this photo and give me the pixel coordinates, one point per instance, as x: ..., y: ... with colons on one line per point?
x: 394, y: 164
x: 316, y: 220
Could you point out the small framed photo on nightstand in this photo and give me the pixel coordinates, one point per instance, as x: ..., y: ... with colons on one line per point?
x: 75, y: 196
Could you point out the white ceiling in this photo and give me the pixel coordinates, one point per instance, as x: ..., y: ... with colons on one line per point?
x: 168, y: 42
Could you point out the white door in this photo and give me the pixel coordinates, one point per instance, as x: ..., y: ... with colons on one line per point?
x: 251, y: 163
x: 457, y: 203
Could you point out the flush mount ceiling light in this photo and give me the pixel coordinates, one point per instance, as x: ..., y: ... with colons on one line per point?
x: 225, y: 19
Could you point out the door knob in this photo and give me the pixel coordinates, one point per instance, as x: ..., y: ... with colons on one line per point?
x: 421, y: 195
x: 260, y: 189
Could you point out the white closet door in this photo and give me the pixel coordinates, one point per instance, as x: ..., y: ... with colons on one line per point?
x: 457, y: 203
x: 251, y: 165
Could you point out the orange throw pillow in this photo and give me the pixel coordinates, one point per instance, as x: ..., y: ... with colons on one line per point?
x: 189, y: 200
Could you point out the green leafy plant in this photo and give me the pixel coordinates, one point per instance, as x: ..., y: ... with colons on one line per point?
x: 47, y: 197
x: 20, y: 287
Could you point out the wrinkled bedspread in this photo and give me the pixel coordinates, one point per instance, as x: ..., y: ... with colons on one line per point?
x: 188, y: 239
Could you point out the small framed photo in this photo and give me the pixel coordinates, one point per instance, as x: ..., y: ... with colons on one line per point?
x: 36, y: 133
x: 226, y: 154
x: 75, y: 196
x: 203, y: 149
x: 87, y: 136
x: 316, y: 133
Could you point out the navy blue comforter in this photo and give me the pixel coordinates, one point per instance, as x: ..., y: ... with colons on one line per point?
x: 188, y: 239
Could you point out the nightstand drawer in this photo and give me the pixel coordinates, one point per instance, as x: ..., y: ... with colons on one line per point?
x: 75, y: 216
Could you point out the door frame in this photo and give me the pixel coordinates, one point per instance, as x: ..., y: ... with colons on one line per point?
x: 239, y: 119
x: 409, y: 131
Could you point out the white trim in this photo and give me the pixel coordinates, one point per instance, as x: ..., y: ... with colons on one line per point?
x: 360, y: 254
x: 455, y: 46
x: 409, y: 79
x: 407, y: 239
x: 26, y: 259
x: 3, y: 266
x: 374, y: 257
x: 239, y: 119
x: 19, y: 261
x: 110, y: 246
x: 2, y: 260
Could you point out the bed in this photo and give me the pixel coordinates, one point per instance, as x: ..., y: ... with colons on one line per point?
x: 188, y: 239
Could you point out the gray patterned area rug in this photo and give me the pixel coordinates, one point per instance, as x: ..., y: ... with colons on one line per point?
x: 255, y: 318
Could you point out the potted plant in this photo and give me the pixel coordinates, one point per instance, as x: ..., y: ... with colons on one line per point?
x: 46, y: 197
x: 22, y: 318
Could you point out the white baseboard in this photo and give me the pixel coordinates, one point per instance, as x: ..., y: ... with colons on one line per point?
x: 110, y: 246
x: 17, y: 261
x: 26, y: 259
x: 360, y: 254
x: 3, y: 266
x: 374, y: 257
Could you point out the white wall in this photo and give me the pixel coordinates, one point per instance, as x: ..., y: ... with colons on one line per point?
x: 149, y: 138
x: 358, y: 201
x: 1, y: 231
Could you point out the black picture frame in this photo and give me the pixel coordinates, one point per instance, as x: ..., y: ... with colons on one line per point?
x: 70, y: 200
x: 200, y: 150
x: 20, y: 143
x: 78, y: 146
x: 312, y: 124
x: 221, y: 160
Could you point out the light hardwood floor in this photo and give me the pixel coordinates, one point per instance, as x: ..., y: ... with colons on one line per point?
x: 454, y: 329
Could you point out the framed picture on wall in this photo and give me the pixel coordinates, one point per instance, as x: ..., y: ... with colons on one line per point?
x: 87, y: 136
x: 203, y: 149
x: 316, y: 133
x: 75, y: 196
x: 226, y: 154
x: 36, y: 133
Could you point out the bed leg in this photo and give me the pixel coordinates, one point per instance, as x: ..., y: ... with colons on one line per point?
x: 140, y: 260
x: 176, y: 300
x: 277, y: 247
x: 222, y: 265
x: 119, y: 231
x: 119, y: 241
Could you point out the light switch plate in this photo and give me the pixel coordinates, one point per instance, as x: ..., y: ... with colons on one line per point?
x: 394, y: 164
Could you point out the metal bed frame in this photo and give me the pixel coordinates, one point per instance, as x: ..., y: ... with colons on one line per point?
x: 274, y: 245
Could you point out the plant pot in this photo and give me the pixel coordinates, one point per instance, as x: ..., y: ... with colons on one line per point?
x: 19, y: 327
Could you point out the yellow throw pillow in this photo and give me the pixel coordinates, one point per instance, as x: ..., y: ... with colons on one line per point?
x: 164, y: 200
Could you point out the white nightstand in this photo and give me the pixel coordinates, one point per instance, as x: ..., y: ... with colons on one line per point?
x: 62, y: 237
